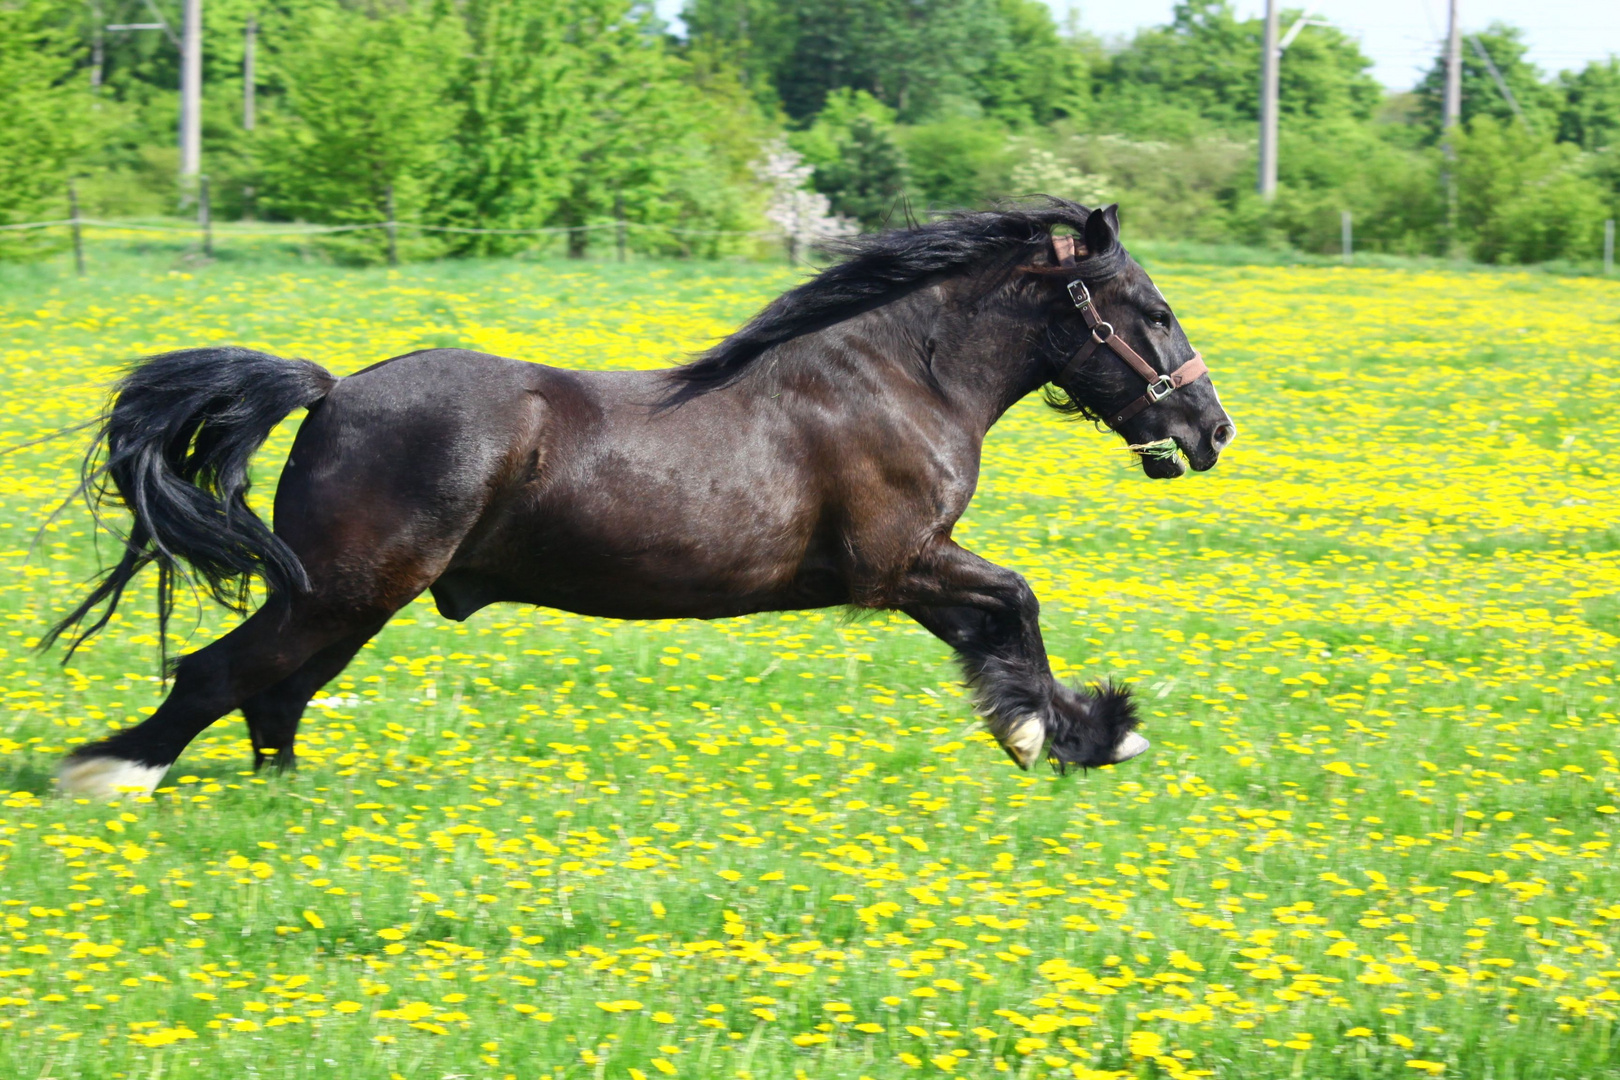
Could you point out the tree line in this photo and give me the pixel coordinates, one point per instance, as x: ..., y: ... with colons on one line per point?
x: 568, y: 114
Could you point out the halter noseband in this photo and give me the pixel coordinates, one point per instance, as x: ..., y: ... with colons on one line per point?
x: 1159, y: 386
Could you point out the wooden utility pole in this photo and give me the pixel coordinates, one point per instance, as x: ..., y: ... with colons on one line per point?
x: 1453, y: 112
x: 98, y: 49
x: 1269, y: 62
x: 190, y: 96
x: 1450, y: 118
x: 249, y: 42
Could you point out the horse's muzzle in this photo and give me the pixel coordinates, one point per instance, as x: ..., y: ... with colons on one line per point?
x: 1206, y: 451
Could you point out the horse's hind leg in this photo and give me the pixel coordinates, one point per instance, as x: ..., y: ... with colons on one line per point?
x: 274, y: 643
x: 272, y: 715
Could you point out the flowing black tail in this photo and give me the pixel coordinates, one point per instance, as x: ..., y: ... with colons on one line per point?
x: 174, y: 449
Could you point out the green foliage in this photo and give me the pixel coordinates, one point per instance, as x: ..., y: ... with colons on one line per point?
x: 367, y: 121
x: 45, y: 126
x: 858, y: 164
x: 554, y: 99
x: 134, y: 162
x: 711, y: 186
x: 567, y: 115
x: 1204, y: 68
x: 1394, y: 195
x: 868, y: 181
x: 926, y: 59
x: 953, y: 164
x: 756, y: 37
x: 921, y: 58
x: 1603, y: 167
x: 510, y: 115
x: 1036, y: 76
x: 1186, y: 190
x: 1526, y: 199
x: 1590, y: 116
x: 821, y: 143
x: 1324, y: 77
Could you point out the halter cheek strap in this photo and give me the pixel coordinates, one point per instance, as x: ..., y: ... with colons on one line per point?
x: 1159, y: 386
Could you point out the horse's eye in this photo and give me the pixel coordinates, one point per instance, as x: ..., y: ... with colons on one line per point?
x: 1161, y: 319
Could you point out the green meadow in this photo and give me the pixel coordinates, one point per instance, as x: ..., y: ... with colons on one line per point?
x: 1375, y: 649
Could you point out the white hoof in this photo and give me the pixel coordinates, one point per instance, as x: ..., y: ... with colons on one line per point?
x: 107, y: 777
x: 1025, y: 741
x: 1132, y: 745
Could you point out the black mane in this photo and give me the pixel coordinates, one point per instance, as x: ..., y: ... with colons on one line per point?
x: 876, y: 268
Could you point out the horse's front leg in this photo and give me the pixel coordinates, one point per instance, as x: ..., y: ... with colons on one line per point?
x: 990, y: 616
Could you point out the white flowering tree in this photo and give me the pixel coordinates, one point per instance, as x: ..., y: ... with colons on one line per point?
x: 803, y: 215
x: 1041, y: 171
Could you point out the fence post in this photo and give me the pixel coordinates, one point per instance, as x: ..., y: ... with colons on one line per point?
x: 205, y: 217
x: 618, y: 217
x: 393, y: 230
x: 1608, y: 246
x: 78, y: 238
x: 1344, y: 234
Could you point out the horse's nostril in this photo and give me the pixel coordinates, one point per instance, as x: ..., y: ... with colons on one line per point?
x: 1223, y: 434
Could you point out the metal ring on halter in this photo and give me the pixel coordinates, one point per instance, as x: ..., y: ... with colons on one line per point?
x: 1102, y: 332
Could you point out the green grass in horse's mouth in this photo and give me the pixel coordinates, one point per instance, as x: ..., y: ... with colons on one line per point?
x: 1161, y: 449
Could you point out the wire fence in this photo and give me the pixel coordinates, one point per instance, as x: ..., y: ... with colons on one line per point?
x: 253, y: 231
x: 207, y: 232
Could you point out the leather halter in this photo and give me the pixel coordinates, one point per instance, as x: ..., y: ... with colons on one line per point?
x: 1159, y: 386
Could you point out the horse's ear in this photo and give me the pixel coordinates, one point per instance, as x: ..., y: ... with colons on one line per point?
x: 1102, y: 229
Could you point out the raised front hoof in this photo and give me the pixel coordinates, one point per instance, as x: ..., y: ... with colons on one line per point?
x: 1132, y: 745
x: 1093, y: 728
x: 95, y: 776
x: 1025, y: 742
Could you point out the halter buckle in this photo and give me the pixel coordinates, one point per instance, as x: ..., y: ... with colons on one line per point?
x: 1079, y: 294
x: 1158, y: 391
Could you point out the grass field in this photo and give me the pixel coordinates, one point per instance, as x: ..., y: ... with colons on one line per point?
x: 1376, y: 648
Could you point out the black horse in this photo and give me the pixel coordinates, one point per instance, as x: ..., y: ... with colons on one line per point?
x: 820, y: 456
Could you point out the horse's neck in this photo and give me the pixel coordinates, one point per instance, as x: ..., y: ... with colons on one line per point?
x: 989, y: 360
x: 975, y: 353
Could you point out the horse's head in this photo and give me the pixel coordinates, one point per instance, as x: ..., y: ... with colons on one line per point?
x: 1134, y: 369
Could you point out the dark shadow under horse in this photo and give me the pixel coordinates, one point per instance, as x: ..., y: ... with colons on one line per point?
x: 820, y: 456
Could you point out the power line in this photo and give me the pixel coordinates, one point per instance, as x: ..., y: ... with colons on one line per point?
x: 1501, y: 83
x: 162, y: 24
